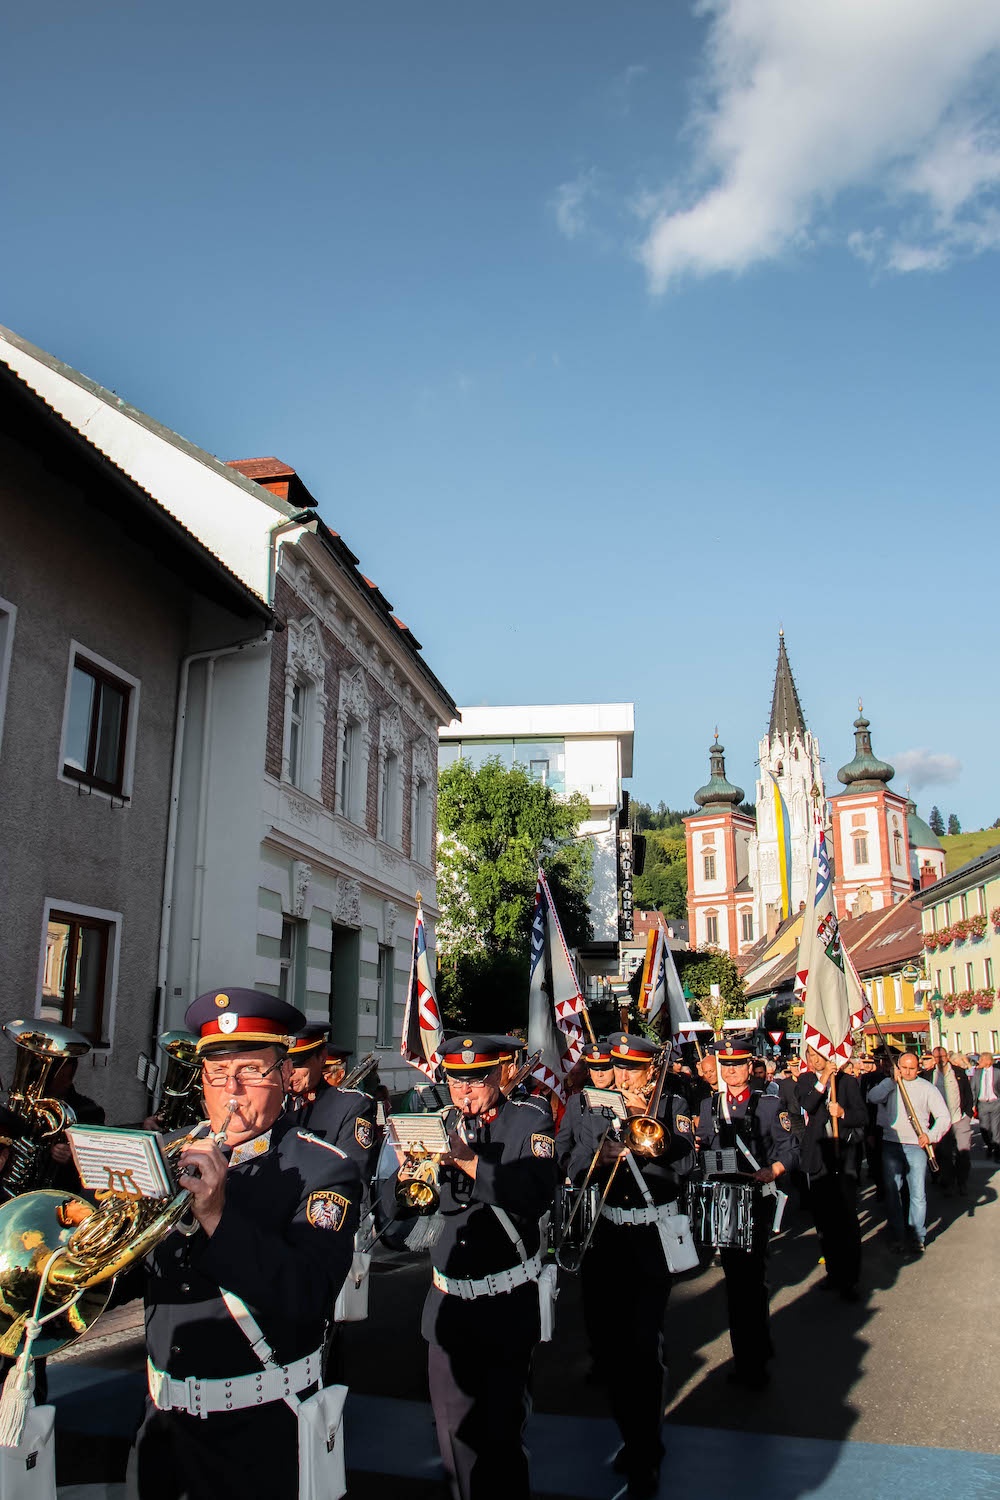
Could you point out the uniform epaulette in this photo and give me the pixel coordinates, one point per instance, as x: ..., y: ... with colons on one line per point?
x: 307, y: 1135
x: 352, y: 1091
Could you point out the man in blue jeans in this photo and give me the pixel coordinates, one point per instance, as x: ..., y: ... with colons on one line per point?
x: 904, y: 1154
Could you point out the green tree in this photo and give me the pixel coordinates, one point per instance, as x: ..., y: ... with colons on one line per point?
x: 497, y: 824
x: 935, y: 822
x: 954, y: 826
x: 663, y: 884
x: 699, y: 971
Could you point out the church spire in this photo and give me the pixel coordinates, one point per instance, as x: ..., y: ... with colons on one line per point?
x: 786, y: 711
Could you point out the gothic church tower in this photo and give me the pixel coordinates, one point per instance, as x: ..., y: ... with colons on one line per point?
x: 791, y: 754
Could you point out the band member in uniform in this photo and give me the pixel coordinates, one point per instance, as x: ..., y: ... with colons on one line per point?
x: 831, y: 1165
x: 732, y: 1115
x: 275, y: 1211
x: 574, y: 1135
x: 626, y: 1251
x: 344, y: 1116
x: 513, y: 1055
x: 335, y: 1064
x: 481, y: 1318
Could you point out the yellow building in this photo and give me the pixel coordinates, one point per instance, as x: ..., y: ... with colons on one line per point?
x: 961, y: 937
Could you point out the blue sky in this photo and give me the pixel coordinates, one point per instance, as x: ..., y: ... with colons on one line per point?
x: 608, y: 337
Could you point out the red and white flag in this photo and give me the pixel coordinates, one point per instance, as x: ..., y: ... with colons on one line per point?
x: 421, y: 1040
x: 555, y: 1004
x: 826, y: 1020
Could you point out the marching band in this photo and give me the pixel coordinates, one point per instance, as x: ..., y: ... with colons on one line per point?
x: 276, y: 1182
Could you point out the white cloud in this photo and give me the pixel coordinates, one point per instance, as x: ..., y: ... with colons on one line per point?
x: 803, y: 102
x: 926, y: 768
x: 569, y: 203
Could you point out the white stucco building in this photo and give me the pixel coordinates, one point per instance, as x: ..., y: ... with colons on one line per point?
x: 572, y: 747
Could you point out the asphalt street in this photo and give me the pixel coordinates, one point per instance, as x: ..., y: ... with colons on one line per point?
x: 894, y: 1395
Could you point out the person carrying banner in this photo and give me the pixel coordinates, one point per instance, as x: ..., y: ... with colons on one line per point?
x: 758, y: 1133
x: 830, y: 1161
x: 913, y: 1117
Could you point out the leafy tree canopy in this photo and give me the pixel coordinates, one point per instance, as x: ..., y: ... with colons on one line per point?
x: 497, y: 824
x: 699, y: 971
x: 662, y: 886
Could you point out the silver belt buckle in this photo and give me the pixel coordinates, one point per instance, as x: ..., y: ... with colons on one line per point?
x: 192, y: 1394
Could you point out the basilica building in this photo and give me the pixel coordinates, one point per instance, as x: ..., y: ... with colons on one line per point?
x: 736, y: 860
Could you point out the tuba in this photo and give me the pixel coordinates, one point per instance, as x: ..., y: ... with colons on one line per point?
x: 41, y: 1047
x: 181, y: 1103
x: 59, y: 1254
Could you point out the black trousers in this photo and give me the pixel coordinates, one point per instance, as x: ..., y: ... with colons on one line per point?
x: 955, y: 1162
x: 833, y: 1200
x: 627, y: 1260
x: 252, y: 1454
x: 747, y: 1294
x: 481, y: 1403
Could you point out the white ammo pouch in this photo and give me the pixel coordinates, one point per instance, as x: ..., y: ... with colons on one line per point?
x: 28, y: 1472
x: 352, y: 1300
x: 320, y: 1417
x: 673, y: 1227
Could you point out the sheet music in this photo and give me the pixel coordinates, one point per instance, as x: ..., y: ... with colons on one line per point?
x: 609, y: 1099
x: 127, y: 1162
x: 419, y: 1135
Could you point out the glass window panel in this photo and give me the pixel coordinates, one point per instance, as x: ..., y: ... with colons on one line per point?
x: 110, y: 716
x: 448, y: 754
x: 478, y: 752
x: 54, y: 970
x: 81, y: 702
x: 89, y: 981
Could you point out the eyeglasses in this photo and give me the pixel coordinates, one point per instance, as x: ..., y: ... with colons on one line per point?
x: 247, y: 1075
x: 467, y: 1083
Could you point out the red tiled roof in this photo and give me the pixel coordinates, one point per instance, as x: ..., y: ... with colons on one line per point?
x: 883, y: 940
x: 260, y: 468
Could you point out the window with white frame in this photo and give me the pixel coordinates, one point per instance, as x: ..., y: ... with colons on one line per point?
x: 994, y: 1040
x: 897, y: 985
x: 421, y: 804
x: 860, y: 849
x: 305, y: 707
x: 988, y: 972
x: 291, y: 960
x: 974, y: 1041
x: 879, y: 996
x: 709, y: 866
x: 8, y: 618
x: 386, y: 959
x: 970, y: 978
x: 747, y: 926
x: 712, y: 928
x: 99, y: 724
x: 353, y: 713
x: 958, y: 1041
x: 390, y: 778
x: 79, y: 967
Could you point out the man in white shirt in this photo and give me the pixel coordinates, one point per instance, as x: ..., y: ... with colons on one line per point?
x: 986, y: 1097
x: 904, y: 1156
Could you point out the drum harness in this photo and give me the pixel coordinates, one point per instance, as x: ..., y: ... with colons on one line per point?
x: 738, y: 1130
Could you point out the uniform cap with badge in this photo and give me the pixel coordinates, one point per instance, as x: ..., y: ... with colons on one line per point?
x: 309, y: 1040
x: 473, y: 1055
x: 235, y: 1020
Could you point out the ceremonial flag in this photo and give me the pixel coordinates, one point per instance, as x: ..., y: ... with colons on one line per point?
x: 826, y: 1022
x: 421, y: 1039
x: 555, y: 1004
x: 783, y: 825
x: 661, y: 986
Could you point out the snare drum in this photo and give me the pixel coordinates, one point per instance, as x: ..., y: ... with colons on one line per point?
x: 722, y: 1212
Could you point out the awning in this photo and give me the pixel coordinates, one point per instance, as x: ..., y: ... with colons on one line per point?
x: 897, y: 1028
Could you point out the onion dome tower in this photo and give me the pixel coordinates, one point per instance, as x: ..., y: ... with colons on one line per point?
x: 720, y: 901
x: 870, y: 838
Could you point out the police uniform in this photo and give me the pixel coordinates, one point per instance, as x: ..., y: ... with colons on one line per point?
x: 764, y: 1127
x: 574, y: 1135
x: 216, y: 1422
x: 481, y: 1316
x: 831, y: 1167
x: 626, y: 1252
x: 513, y: 1050
x: 346, y: 1117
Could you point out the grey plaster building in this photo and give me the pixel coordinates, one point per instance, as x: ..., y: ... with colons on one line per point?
x: 103, y: 595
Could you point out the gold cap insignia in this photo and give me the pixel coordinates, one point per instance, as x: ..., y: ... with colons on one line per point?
x: 222, y: 1001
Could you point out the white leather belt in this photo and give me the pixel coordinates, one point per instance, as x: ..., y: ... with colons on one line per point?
x: 638, y: 1215
x: 495, y: 1285
x: 200, y: 1397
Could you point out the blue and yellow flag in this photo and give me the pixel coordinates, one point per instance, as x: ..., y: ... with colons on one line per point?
x: 784, y: 827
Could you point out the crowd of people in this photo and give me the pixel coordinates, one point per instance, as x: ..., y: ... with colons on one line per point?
x: 298, y: 1176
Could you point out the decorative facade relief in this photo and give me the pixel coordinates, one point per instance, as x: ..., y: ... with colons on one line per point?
x: 301, y: 881
x: 390, y: 916
x: 390, y: 777
x: 353, y: 746
x: 304, y: 724
x: 347, y: 903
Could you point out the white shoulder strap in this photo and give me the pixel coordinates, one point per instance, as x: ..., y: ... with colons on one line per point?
x: 249, y: 1327
x: 640, y: 1181
x: 511, y: 1232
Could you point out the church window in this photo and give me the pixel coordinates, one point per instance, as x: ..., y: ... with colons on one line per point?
x: 897, y: 847
x: 780, y: 770
x: 712, y: 929
x: 709, y: 866
x: 860, y: 849
x: 748, y: 926
x: 795, y: 752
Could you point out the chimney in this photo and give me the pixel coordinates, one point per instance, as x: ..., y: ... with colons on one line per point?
x: 927, y: 875
x: 773, y: 920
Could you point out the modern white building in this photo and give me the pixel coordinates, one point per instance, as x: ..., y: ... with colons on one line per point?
x: 571, y: 747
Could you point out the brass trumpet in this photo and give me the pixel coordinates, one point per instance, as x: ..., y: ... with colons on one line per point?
x: 181, y: 1102
x: 645, y: 1135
